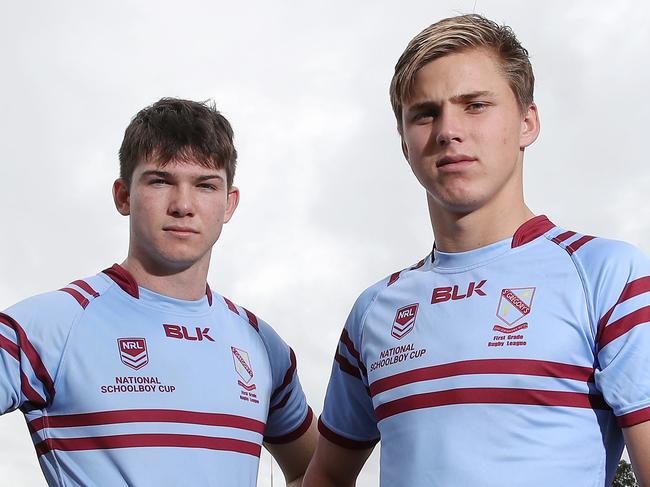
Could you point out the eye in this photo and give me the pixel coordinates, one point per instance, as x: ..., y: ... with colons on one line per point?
x: 476, y: 107
x: 208, y: 186
x: 424, y: 117
x: 158, y: 181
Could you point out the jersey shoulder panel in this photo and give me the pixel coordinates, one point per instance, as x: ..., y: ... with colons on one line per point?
x: 616, y: 277
x: 33, y: 335
x: 289, y: 416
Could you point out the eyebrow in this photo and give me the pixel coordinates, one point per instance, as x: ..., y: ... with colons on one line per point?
x: 165, y: 174
x: 461, y: 98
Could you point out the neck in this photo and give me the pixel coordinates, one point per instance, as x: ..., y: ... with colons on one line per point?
x: 460, y: 232
x: 185, y: 283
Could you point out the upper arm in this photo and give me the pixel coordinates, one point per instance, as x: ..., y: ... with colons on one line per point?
x: 294, y: 456
x: 334, y: 465
x: 637, y: 441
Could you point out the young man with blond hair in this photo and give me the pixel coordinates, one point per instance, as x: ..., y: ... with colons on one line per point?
x: 517, y: 352
x: 141, y: 375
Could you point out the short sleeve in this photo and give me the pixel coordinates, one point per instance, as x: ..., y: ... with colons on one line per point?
x: 289, y: 415
x: 32, y: 335
x: 620, y: 283
x: 348, y: 418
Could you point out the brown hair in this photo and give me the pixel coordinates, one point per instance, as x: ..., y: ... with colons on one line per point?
x: 173, y: 128
x: 457, y: 34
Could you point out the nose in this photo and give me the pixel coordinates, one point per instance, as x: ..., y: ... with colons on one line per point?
x: 449, y: 128
x: 181, y: 203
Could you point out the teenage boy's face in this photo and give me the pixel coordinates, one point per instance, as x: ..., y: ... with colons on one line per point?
x: 176, y: 212
x: 464, y: 133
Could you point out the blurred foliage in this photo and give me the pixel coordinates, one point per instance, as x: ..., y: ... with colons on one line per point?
x: 624, y: 476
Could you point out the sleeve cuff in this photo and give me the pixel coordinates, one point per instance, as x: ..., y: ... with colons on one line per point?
x: 342, y: 441
x: 635, y: 417
x: 295, y: 434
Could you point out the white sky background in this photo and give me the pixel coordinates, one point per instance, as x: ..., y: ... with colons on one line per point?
x: 328, y: 204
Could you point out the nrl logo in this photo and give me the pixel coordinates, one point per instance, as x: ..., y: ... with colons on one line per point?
x: 514, y: 305
x: 243, y: 368
x: 404, y: 321
x: 133, y: 352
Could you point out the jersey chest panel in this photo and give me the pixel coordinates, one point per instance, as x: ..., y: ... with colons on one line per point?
x: 117, y: 360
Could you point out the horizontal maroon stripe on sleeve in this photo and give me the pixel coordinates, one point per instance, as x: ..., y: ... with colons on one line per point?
x: 634, y: 418
x: 342, y: 441
x: 295, y: 434
x: 32, y: 355
x: 623, y: 325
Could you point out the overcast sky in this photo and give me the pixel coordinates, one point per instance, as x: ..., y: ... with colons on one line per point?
x: 328, y: 204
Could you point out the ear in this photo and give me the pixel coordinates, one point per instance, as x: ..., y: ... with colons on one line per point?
x: 529, y: 127
x: 121, y: 197
x: 231, y: 203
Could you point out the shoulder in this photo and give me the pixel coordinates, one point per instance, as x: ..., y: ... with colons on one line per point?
x: 60, y: 307
x: 386, y: 285
x: 598, y: 257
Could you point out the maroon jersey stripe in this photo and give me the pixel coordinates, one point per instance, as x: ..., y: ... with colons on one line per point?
x: 147, y: 416
x: 283, y: 402
x: 478, y: 395
x: 635, y: 417
x: 10, y: 347
x: 346, y: 366
x: 208, y: 293
x: 32, y: 355
x: 148, y: 440
x: 288, y: 375
x: 347, y: 341
x: 562, y: 237
x: 623, y: 325
x: 124, y: 279
x: 342, y: 440
x: 631, y: 289
x: 578, y: 243
x: 81, y: 299
x: 86, y: 287
x: 541, y: 368
x: 252, y: 319
x: 295, y: 434
x: 231, y: 305
x: 393, y: 278
x: 28, y: 391
x: 530, y: 230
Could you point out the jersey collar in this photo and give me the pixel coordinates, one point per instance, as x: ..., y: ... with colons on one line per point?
x: 126, y: 281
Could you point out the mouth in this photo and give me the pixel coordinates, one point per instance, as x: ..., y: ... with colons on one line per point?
x: 180, y: 231
x: 455, y: 161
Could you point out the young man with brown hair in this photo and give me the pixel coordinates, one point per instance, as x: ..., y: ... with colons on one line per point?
x: 516, y: 353
x: 141, y: 375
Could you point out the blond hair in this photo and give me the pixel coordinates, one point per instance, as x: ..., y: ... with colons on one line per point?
x: 457, y: 34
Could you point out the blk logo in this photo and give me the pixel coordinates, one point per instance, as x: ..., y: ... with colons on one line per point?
x: 442, y: 294
x: 404, y: 321
x: 182, y: 333
x: 133, y: 352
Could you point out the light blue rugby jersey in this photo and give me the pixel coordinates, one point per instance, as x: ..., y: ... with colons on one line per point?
x: 123, y: 386
x: 515, y: 364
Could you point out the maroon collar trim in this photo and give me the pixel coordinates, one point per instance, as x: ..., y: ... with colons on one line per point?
x: 125, y: 280
x: 530, y: 230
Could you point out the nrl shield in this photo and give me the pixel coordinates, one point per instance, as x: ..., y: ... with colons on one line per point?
x: 514, y: 304
x: 404, y: 321
x: 242, y: 364
x: 133, y: 352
